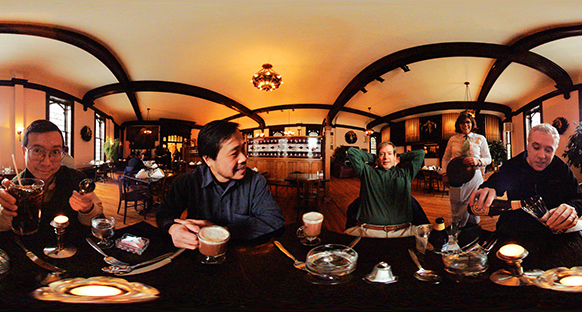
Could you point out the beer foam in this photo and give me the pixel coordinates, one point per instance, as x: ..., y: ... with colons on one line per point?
x: 312, y: 217
x: 214, y: 234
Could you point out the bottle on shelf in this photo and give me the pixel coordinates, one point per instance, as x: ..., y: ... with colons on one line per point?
x: 438, y: 237
x: 498, y: 207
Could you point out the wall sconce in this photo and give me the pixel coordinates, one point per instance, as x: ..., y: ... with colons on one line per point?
x: 19, y: 132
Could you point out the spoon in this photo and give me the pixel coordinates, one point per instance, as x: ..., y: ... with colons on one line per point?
x: 422, y: 274
x: 86, y: 186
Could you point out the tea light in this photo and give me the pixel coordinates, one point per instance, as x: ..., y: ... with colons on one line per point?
x: 61, y: 220
x: 96, y: 291
x: 574, y: 280
x: 512, y: 251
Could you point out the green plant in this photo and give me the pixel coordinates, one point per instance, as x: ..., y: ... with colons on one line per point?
x: 111, y: 148
x: 573, y: 151
x: 498, y: 153
x: 340, y: 155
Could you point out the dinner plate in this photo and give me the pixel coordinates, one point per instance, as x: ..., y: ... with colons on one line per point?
x: 122, y: 291
x: 557, y: 279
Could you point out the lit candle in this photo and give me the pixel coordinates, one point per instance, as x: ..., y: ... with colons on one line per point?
x: 512, y: 250
x: 574, y: 280
x: 96, y: 291
x: 60, y: 220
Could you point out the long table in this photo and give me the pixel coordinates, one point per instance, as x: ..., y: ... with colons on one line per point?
x: 257, y: 276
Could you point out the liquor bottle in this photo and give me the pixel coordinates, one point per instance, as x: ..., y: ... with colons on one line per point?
x: 438, y: 237
x: 498, y: 207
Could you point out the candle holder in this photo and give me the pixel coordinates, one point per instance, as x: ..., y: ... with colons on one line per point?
x: 513, y: 255
x: 60, y: 251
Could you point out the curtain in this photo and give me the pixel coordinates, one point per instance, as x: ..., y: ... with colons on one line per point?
x: 492, y: 128
x: 412, y: 130
x: 449, y: 125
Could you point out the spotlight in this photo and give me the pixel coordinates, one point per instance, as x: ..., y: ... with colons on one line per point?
x: 405, y: 68
x: 380, y: 79
x: 363, y: 90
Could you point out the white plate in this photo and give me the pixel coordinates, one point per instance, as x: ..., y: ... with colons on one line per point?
x: 550, y: 279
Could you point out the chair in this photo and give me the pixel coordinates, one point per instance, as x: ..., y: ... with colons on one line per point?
x: 307, y: 195
x: 134, y: 193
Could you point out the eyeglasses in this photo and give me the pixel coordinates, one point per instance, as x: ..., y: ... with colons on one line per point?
x: 38, y: 154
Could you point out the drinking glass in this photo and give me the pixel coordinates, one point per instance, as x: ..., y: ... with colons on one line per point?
x: 421, y: 234
x: 103, y: 227
x: 29, y: 194
x: 308, y: 233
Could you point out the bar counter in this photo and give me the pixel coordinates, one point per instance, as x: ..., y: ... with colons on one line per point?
x: 257, y: 276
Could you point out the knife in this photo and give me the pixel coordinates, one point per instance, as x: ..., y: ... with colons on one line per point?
x: 154, y: 266
x: 36, y: 259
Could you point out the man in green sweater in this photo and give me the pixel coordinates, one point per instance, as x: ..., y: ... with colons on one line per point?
x: 386, y: 203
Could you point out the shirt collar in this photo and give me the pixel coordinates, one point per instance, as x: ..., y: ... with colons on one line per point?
x: 208, y: 177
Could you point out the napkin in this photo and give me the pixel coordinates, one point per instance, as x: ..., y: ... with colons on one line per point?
x: 157, y: 173
x: 142, y: 174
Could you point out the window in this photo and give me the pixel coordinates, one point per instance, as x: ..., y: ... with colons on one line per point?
x: 373, y: 144
x: 60, y: 112
x: 532, y: 118
x: 99, y: 137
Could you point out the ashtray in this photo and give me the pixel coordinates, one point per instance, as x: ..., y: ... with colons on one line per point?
x: 382, y: 273
x: 132, y: 243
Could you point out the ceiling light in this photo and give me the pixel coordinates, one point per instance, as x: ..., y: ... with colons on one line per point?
x: 267, y: 79
x: 369, y: 132
x: 468, y: 99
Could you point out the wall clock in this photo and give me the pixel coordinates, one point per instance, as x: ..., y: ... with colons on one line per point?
x: 86, y: 133
x: 351, y: 137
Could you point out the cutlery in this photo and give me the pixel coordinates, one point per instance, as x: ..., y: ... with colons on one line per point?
x: 128, y: 268
x: 422, y: 274
x: 108, y: 259
x: 296, y: 263
x: 354, y: 242
x: 36, y: 259
x: 154, y: 266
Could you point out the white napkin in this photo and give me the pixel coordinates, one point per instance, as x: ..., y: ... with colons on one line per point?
x: 142, y: 174
x: 157, y: 174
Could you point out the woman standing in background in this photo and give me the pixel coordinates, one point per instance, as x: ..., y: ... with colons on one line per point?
x: 474, y: 149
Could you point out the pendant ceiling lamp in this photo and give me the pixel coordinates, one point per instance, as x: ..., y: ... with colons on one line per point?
x: 468, y: 99
x: 267, y: 79
x: 369, y: 132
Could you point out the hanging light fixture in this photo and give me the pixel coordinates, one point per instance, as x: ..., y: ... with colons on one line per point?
x: 369, y: 132
x: 468, y: 99
x: 147, y: 130
x: 267, y: 79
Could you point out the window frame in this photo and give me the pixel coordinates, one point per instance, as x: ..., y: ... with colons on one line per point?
x: 69, y: 120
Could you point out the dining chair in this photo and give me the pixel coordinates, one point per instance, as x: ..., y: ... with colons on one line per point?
x: 133, y: 193
x: 307, y: 195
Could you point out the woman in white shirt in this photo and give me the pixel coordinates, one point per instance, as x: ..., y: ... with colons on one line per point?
x: 476, y: 153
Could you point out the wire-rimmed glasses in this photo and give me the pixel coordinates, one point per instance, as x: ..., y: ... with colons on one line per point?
x: 39, y: 154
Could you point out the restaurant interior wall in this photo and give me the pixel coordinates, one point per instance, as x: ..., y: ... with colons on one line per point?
x: 339, y: 138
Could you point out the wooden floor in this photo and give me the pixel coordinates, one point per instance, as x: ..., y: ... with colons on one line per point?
x: 341, y: 193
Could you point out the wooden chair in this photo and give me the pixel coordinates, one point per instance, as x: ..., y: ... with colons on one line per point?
x: 133, y: 193
x: 308, y: 191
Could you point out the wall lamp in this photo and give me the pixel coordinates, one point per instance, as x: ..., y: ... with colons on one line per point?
x: 19, y: 132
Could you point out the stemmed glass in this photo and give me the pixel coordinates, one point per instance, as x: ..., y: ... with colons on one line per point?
x: 103, y: 227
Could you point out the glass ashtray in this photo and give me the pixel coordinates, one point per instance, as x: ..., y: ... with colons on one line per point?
x: 561, y: 279
x: 132, y: 243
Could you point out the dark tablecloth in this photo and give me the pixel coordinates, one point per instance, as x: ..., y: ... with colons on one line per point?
x: 257, y: 276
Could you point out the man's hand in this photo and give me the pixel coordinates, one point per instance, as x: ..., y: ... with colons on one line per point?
x: 482, y: 198
x: 562, y: 217
x: 81, y: 203
x: 7, y: 201
x: 184, y: 232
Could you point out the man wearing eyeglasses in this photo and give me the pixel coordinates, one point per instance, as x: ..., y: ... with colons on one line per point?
x: 42, y: 146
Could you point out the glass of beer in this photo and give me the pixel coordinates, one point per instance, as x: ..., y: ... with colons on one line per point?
x: 308, y: 233
x: 212, y: 245
x: 28, y: 193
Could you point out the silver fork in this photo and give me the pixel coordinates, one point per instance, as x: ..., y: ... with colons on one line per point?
x: 108, y: 259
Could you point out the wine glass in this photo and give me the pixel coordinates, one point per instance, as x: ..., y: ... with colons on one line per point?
x: 103, y: 227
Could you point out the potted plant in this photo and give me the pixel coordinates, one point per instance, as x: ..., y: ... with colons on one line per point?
x: 498, y: 153
x: 573, y: 151
x: 340, y: 165
x: 111, y: 149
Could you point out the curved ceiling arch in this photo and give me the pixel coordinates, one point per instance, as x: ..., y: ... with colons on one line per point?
x: 453, y: 49
x: 81, y: 41
x: 525, y: 44
x: 173, y: 87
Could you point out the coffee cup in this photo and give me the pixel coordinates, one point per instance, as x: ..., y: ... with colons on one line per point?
x: 308, y: 233
x: 28, y: 193
x: 212, y: 244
